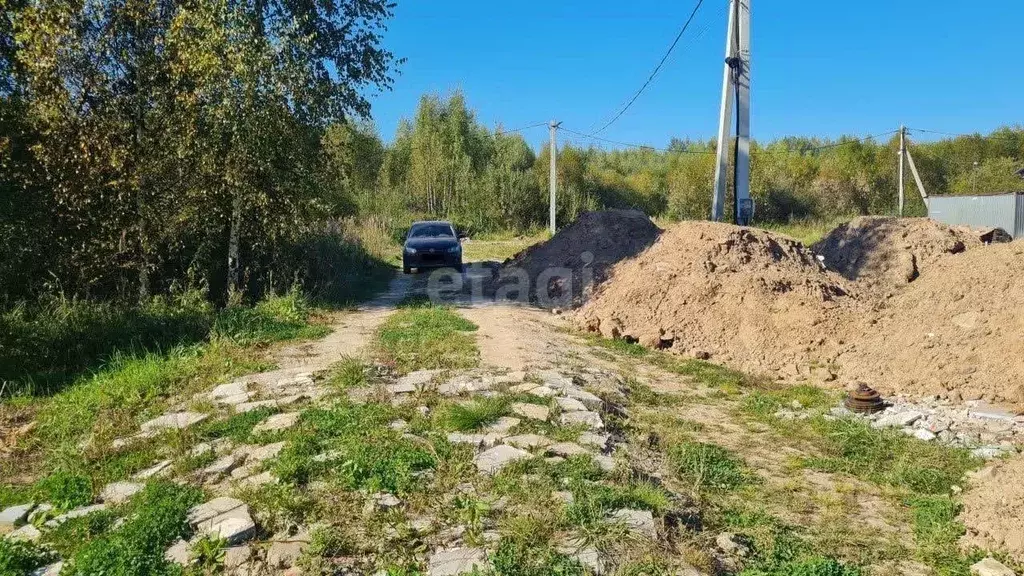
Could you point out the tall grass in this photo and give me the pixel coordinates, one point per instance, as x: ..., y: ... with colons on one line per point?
x: 45, y: 345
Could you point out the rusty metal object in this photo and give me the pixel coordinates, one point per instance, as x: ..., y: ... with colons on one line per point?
x: 864, y: 400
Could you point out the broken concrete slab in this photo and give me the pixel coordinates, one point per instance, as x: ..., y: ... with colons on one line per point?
x: 178, y: 553
x: 566, y: 449
x: 504, y: 425
x: 476, y: 440
x: 48, y: 570
x: 173, y: 421
x: 234, y: 526
x: 640, y: 521
x: 277, y: 422
x: 599, y: 441
x: 523, y: 388
x: 605, y: 463
x: 208, y: 510
x: 285, y: 553
x: 590, y: 400
x: 991, y: 567
x: 554, y: 379
x: 76, y: 513
x: 458, y: 561
x: 417, y: 379
x: 465, y: 384
x: 230, y: 389
x: 120, y: 492
x: 568, y: 404
x: 591, y: 420
x: 531, y: 411
x: 528, y: 441
x: 898, y: 419
x: 260, y: 479
x: 732, y: 545
x: 493, y: 460
x: 14, y: 516
x: 224, y: 465
x: 159, y: 469
x: 544, y: 392
x: 261, y: 453
x: 27, y: 533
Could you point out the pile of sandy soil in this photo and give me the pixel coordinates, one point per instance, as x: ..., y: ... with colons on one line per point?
x: 957, y: 331
x: 885, y: 254
x: 751, y: 299
x: 564, y: 270
x: 993, y: 510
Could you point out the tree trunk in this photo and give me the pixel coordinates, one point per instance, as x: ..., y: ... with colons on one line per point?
x: 234, y: 270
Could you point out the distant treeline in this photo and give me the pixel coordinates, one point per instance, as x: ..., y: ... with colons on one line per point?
x: 444, y: 163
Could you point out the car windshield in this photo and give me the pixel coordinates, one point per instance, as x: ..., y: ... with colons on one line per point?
x: 431, y: 231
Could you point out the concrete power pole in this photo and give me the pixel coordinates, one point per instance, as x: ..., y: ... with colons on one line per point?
x: 903, y: 156
x: 735, y: 92
x: 553, y: 179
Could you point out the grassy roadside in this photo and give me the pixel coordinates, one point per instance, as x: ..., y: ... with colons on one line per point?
x: 63, y: 439
x: 421, y: 335
x: 794, y: 527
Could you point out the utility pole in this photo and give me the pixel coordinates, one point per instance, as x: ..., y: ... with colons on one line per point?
x: 553, y: 178
x: 735, y: 92
x: 903, y: 155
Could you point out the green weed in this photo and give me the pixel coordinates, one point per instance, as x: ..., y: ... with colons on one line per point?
x: 154, y: 519
x: 347, y: 373
x: 65, y: 490
x: 473, y: 415
x: 18, y: 558
x: 514, y: 558
x: 937, y: 533
x: 707, y: 467
x: 888, y: 457
x: 237, y: 427
x: 421, y: 336
x: 273, y: 319
x: 374, y: 457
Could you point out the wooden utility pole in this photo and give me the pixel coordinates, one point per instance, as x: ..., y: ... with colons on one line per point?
x: 553, y: 178
x: 903, y: 155
x: 735, y: 92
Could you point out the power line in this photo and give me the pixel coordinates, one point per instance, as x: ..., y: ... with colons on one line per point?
x: 700, y: 34
x: 953, y: 135
x: 656, y: 68
x: 503, y: 131
x: 632, y: 145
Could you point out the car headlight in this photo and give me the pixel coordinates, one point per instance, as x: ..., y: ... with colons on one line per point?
x: 454, y: 249
x: 410, y: 250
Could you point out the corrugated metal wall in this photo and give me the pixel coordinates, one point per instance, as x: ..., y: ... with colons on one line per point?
x: 1004, y: 211
x: 1018, y: 230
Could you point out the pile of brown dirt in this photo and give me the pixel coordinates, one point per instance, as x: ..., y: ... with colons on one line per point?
x: 885, y: 254
x: 752, y: 299
x: 956, y: 331
x: 564, y: 270
x: 994, y: 508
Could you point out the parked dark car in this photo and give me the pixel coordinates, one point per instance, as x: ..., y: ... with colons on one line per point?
x: 432, y: 244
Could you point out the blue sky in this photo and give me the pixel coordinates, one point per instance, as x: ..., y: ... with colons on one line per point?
x: 841, y: 67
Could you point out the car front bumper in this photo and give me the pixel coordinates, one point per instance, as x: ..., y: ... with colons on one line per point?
x: 432, y: 260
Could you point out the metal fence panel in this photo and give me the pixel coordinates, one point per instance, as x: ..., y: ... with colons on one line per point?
x: 1004, y: 211
x: 1018, y: 230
